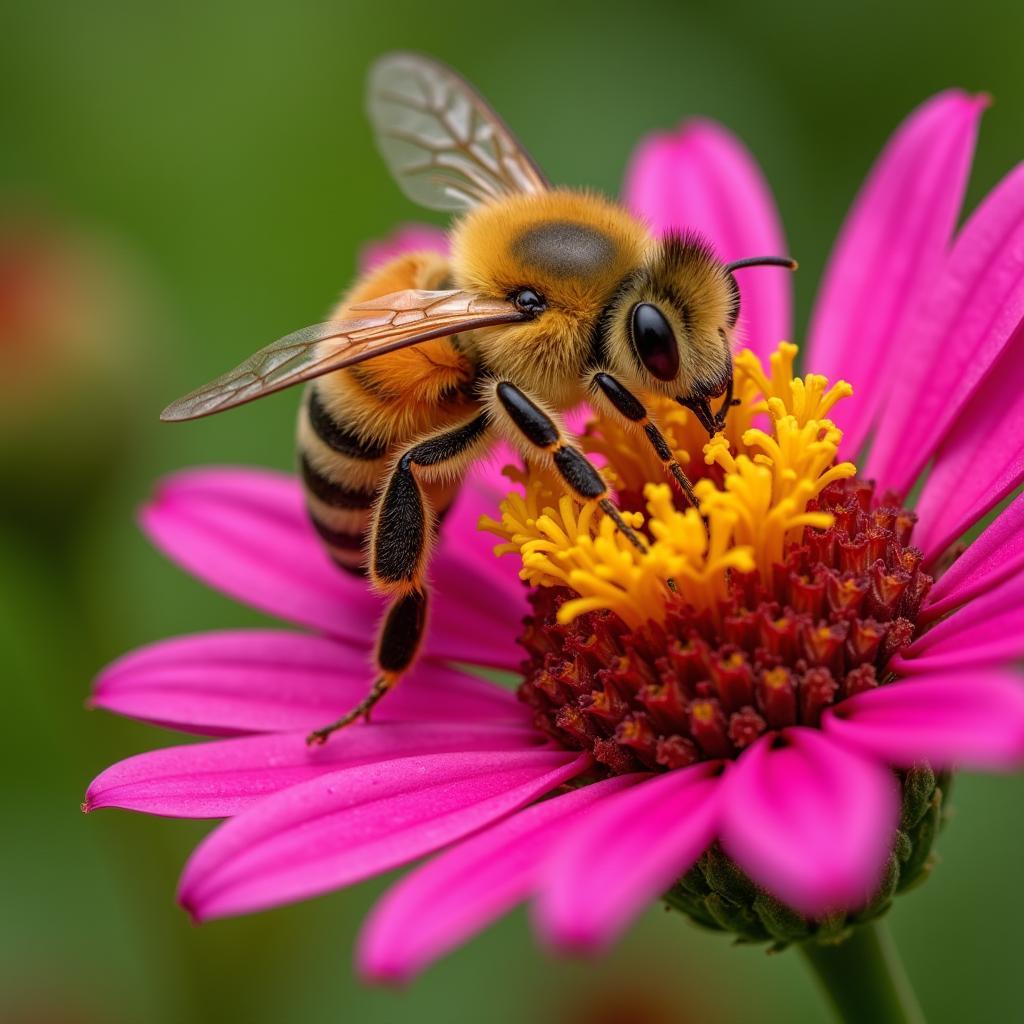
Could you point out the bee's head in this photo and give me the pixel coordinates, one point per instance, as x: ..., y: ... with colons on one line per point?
x: 669, y: 329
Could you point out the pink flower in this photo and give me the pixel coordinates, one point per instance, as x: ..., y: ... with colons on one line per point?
x: 928, y: 327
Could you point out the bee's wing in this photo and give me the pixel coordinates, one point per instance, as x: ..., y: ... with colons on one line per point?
x: 446, y: 147
x: 377, y: 326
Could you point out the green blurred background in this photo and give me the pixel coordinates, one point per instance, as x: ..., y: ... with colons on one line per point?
x: 186, y: 182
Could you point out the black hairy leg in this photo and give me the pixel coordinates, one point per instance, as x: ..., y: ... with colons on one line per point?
x: 624, y: 403
x: 399, y: 549
x: 537, y: 433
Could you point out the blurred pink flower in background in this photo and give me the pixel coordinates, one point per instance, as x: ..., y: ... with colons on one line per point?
x: 65, y: 300
x: 78, y: 318
x: 928, y: 327
x: 408, y: 238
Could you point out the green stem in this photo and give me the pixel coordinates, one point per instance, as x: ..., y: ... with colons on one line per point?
x: 864, y: 978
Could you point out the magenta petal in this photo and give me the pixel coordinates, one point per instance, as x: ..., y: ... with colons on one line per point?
x: 349, y: 825
x: 995, y: 556
x: 408, y: 238
x: 479, y: 602
x: 987, y: 630
x: 246, y: 533
x: 981, y: 460
x: 809, y: 820
x: 462, y: 890
x: 625, y: 854
x: 226, y: 777
x: 974, y: 309
x: 889, y: 253
x: 703, y: 179
x: 274, y: 681
x: 974, y: 717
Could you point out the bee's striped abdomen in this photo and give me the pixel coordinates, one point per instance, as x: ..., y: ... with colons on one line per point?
x: 341, y: 471
x: 353, y: 423
x: 340, y: 437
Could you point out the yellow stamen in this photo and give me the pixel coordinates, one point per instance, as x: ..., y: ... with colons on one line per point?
x: 755, y: 484
x: 806, y: 398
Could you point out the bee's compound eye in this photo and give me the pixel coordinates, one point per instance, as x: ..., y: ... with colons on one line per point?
x: 654, y: 342
x: 529, y: 301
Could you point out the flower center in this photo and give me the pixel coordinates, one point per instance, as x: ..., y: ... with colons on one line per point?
x: 796, y: 595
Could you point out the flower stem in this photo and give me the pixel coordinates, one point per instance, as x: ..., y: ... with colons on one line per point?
x: 864, y: 978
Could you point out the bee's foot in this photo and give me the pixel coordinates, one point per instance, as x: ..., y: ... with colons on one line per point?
x: 362, y: 710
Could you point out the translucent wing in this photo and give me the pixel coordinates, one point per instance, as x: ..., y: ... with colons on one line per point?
x: 445, y: 146
x: 380, y: 325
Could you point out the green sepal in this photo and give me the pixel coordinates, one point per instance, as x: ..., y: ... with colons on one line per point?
x: 692, y: 906
x: 882, y: 900
x: 735, y: 917
x: 693, y: 882
x: 715, y: 893
x: 721, y: 875
x: 782, y: 923
x: 918, y: 864
x: 903, y: 847
x: 918, y: 787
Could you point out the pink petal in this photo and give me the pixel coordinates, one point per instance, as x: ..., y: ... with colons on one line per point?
x: 272, y: 681
x: 987, y: 630
x: 462, y: 890
x: 226, y: 777
x: 974, y: 717
x: 246, y: 533
x: 981, y: 460
x: 703, y: 179
x: 408, y: 238
x: 994, y: 556
x: 889, y: 253
x: 465, y: 567
x: 348, y: 825
x: 809, y: 820
x: 973, y: 311
x: 626, y: 853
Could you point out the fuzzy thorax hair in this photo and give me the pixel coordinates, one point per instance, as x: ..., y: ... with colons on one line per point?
x: 573, y: 249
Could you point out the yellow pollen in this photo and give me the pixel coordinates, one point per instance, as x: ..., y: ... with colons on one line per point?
x: 776, y: 678
x: 754, y: 481
x: 702, y: 711
x: 630, y: 730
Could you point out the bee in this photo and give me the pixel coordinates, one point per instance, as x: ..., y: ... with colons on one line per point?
x: 550, y: 297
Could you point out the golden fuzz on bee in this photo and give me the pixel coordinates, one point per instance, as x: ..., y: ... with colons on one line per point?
x: 400, y: 394
x: 493, y: 255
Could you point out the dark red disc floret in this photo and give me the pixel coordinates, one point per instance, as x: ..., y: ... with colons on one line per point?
x: 703, y: 685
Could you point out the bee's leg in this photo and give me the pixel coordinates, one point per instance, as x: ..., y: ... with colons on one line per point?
x: 536, y: 431
x: 400, y: 540
x: 397, y: 644
x: 727, y: 403
x: 701, y: 408
x: 630, y: 408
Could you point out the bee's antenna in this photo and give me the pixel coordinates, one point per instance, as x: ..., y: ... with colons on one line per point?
x: 763, y: 261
